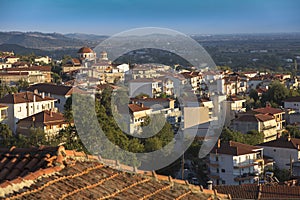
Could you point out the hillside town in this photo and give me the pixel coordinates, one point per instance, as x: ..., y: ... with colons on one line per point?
x: 258, y: 147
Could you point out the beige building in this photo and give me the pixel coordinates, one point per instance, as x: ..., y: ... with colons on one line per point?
x: 276, y: 113
x: 44, y: 59
x: 138, y: 114
x: 262, y: 123
x: 3, y: 113
x: 49, y: 121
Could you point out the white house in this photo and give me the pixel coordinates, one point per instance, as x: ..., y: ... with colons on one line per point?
x: 44, y: 59
x: 292, y: 103
x: 59, y: 92
x: 283, y: 150
x: 234, y: 163
x: 24, y: 104
x: 147, y: 86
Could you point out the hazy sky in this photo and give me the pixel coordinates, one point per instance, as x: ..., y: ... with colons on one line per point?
x: 187, y: 16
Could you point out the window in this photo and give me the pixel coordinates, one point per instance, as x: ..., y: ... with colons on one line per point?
x: 223, y: 170
x: 217, y: 158
x: 20, y: 109
x: 274, y: 150
x: 223, y: 182
x: 218, y: 170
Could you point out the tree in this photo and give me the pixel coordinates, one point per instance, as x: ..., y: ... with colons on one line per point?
x: 253, y: 95
x: 153, y: 144
x: 6, y: 136
x: 22, y: 85
x: 68, y: 114
x: 252, y: 137
x: 56, y: 78
x: 293, y: 131
x: 276, y: 94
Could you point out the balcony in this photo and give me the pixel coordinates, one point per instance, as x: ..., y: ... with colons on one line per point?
x: 246, y: 176
x: 268, y: 127
x: 213, y: 176
x: 244, y: 165
x: 213, y: 164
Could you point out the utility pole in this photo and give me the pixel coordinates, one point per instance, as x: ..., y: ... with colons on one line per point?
x: 182, y: 167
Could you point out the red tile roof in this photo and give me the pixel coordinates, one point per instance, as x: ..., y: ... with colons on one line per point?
x: 85, y: 50
x: 61, y: 90
x: 46, y: 117
x: 79, y: 176
x: 151, y: 99
x: 23, y: 97
x: 136, y: 108
x: 19, y: 162
x: 263, y: 192
x: 234, y: 148
x: 269, y: 110
x: 33, y: 68
x: 264, y: 117
x: 3, y: 106
x: 292, y: 99
x: 283, y: 142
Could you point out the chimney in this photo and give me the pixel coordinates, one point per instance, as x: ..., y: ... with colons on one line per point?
x: 51, y: 113
x: 34, y: 97
x: 268, y: 105
x: 209, y: 185
x: 219, y: 143
x: 35, y: 91
x: 289, y: 137
x: 33, y: 119
x: 43, y: 95
x: 142, y: 105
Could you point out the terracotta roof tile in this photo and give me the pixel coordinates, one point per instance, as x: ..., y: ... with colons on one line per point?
x: 234, y: 148
x: 253, y: 191
x: 52, y: 89
x: 92, y: 180
x: 283, y: 142
x: 269, y: 110
x: 292, y: 99
x: 19, y: 162
x: 23, y: 97
x: 85, y: 50
x: 136, y: 108
x: 47, y: 117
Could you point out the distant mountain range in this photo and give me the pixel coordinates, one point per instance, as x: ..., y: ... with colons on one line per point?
x: 49, y: 41
x: 52, y: 44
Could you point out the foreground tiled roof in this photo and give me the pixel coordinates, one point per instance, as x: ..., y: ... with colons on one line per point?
x: 19, y: 162
x: 74, y: 175
x: 263, y: 192
x: 234, y: 148
x: 23, y: 97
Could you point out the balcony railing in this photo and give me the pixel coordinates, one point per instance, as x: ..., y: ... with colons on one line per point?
x: 243, y: 164
x: 246, y: 176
